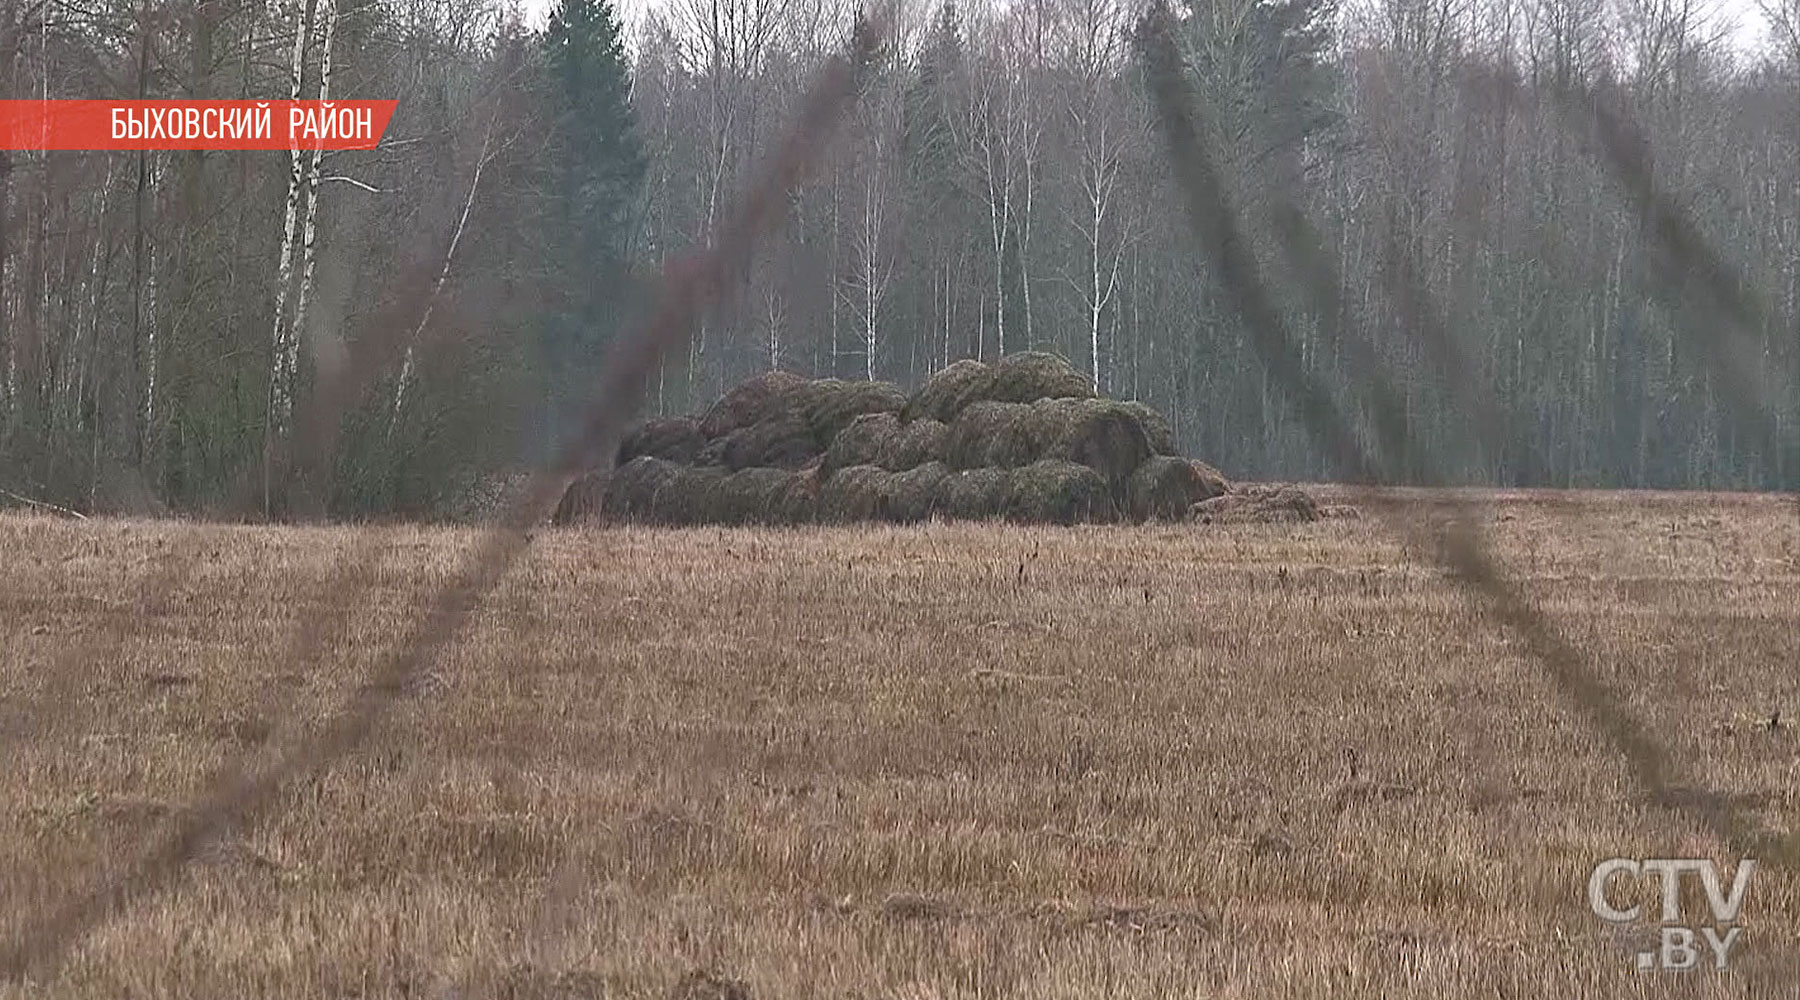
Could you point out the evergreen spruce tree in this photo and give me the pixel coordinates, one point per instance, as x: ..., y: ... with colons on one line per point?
x: 595, y: 180
x: 935, y: 184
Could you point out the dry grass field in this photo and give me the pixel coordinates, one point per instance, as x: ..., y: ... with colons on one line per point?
x: 944, y: 761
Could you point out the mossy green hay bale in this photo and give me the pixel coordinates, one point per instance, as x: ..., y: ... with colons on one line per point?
x: 673, y: 439
x: 916, y: 494
x: 831, y: 405
x: 1053, y: 492
x: 858, y: 493
x: 861, y: 443
x: 974, y: 494
x: 781, y: 441
x: 635, y: 489
x: 694, y: 495
x: 750, y: 401
x: 1029, y: 376
x: 1156, y: 427
x: 714, y: 452
x: 752, y: 496
x: 948, y: 391
x: 798, y: 501
x: 1001, y: 435
x: 915, y: 444
x: 812, y: 395
x: 1165, y: 487
x: 1101, y: 434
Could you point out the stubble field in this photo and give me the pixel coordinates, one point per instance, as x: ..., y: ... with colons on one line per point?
x: 943, y: 761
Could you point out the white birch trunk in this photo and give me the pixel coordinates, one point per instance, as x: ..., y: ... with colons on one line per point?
x: 1025, y: 155
x: 407, y: 364
x: 776, y: 313
x: 150, y: 347
x: 868, y: 283
x: 291, y: 359
x: 871, y: 285
x: 280, y: 390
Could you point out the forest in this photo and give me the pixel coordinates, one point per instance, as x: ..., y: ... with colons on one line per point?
x: 428, y: 316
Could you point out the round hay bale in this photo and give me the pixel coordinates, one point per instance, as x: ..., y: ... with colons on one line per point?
x: 973, y: 495
x: 1029, y: 376
x: 1053, y: 492
x: 1098, y: 433
x: 798, y: 501
x: 914, y: 444
x: 858, y: 493
x: 1156, y: 426
x: 812, y: 395
x: 1001, y: 435
x: 751, y: 496
x: 633, y: 491
x: 1258, y: 505
x: 1215, y: 482
x: 1164, y: 487
x: 831, y: 405
x: 673, y: 439
x: 861, y: 443
x: 783, y: 441
x: 948, y: 391
x: 714, y: 452
x: 584, y: 500
x: 915, y: 495
x: 694, y: 495
x: 752, y: 400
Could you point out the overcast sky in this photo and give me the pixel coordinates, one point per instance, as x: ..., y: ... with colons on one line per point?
x: 1749, y: 34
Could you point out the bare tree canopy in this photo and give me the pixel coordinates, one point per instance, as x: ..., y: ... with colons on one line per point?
x: 396, y: 331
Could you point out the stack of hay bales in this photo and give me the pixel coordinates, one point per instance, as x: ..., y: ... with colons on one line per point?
x: 1025, y: 439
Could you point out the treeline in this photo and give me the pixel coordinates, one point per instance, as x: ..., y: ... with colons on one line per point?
x: 393, y: 331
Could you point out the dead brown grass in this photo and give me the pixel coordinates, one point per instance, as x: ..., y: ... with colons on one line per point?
x: 935, y: 761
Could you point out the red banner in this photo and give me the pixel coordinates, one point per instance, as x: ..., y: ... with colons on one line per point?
x: 193, y: 124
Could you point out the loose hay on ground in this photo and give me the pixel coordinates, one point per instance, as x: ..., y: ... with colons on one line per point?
x: 1258, y: 504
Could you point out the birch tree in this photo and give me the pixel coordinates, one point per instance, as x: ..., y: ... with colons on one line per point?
x: 284, y: 343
